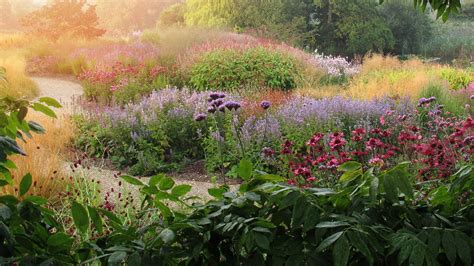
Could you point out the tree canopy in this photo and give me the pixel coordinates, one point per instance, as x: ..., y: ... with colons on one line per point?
x: 74, y: 18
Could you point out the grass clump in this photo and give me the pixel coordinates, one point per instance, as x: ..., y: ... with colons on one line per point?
x: 19, y: 85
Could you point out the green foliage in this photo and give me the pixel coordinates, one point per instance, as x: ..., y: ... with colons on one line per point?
x: 352, y: 27
x: 250, y: 69
x: 457, y: 78
x: 443, y: 8
x: 135, y: 91
x: 365, y: 218
x: 411, y: 29
x: 287, y: 20
x: 452, y: 102
x: 173, y: 15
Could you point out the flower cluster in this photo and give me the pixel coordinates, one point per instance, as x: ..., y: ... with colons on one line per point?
x: 434, y: 149
x: 335, y: 66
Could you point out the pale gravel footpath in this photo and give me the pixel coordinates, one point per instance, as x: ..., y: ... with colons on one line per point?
x: 66, y: 92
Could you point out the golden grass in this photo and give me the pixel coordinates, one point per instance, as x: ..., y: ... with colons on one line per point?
x: 387, y: 76
x: 323, y: 91
x: 45, y: 160
x: 19, y: 85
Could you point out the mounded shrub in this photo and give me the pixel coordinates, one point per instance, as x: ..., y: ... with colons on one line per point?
x: 251, y: 68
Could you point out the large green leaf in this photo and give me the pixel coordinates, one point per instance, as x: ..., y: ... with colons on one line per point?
x: 117, y: 257
x: 166, y: 183
x: 245, y: 169
x: 341, y: 252
x: 132, y: 180
x: 50, y: 102
x: 181, y: 190
x: 80, y: 216
x: 25, y: 184
x: 43, y: 109
x: 96, y: 219
x: 331, y: 224
x: 449, y: 246
x: 59, y: 239
x: 329, y: 241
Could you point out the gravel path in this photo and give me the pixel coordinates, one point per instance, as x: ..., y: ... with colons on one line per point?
x: 66, y: 92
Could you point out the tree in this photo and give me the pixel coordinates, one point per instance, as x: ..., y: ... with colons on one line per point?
x: 411, y: 29
x: 286, y: 20
x: 173, y: 15
x: 6, y: 19
x: 72, y: 18
x: 351, y: 28
x: 129, y: 15
x: 443, y: 8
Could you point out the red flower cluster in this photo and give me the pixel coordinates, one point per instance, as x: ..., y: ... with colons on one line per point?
x: 119, y: 74
x: 434, y: 148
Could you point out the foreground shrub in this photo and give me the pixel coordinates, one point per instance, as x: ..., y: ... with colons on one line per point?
x: 367, y: 216
x: 250, y: 69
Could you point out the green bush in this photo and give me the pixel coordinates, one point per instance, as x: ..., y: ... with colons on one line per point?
x: 135, y: 91
x: 252, y: 68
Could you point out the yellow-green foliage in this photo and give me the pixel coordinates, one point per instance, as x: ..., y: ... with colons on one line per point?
x: 457, y: 78
x: 387, y: 76
x: 19, y: 85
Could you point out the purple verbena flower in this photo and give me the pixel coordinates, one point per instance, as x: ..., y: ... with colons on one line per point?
x: 265, y: 105
x: 231, y: 105
x: 200, y: 117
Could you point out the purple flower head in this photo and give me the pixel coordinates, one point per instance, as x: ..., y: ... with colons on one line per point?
x: 265, y: 105
x: 217, y: 102
x: 221, y: 95
x: 231, y: 105
x: 200, y: 117
x: 423, y: 101
x: 472, y: 97
x: 221, y: 108
x: 211, y: 109
x: 214, y: 95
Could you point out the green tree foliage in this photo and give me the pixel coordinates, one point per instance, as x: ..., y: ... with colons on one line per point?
x: 351, y: 28
x: 411, y: 28
x: 443, y: 8
x: 173, y: 15
x: 128, y: 15
x: 73, y: 18
x: 287, y: 20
